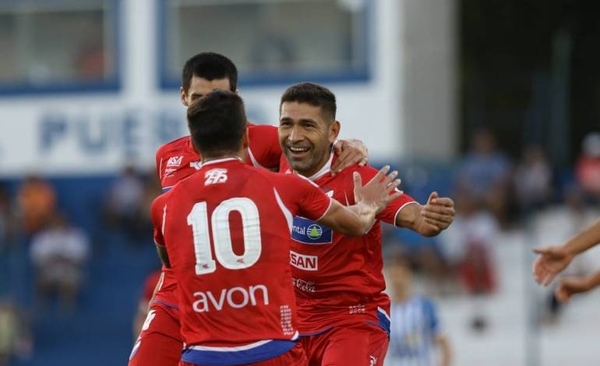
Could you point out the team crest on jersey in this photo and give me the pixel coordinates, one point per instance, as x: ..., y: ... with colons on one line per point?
x: 174, y: 161
x: 215, y: 176
x: 309, y: 232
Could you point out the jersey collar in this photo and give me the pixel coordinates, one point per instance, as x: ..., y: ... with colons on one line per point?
x: 219, y: 161
x: 324, y: 170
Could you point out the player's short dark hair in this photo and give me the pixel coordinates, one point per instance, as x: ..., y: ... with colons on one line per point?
x: 313, y: 94
x: 217, y: 122
x: 210, y: 66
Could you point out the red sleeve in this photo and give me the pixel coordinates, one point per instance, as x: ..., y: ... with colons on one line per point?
x: 264, y: 146
x: 308, y: 199
x: 158, y: 158
x: 389, y: 214
x: 157, y: 213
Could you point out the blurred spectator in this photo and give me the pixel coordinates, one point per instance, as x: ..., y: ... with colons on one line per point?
x: 484, y: 174
x: 15, y: 337
x: 147, y: 295
x: 469, y: 244
x: 587, y: 168
x: 90, y: 63
x: 415, y: 328
x: 5, y: 220
x: 152, y: 189
x: 533, y: 180
x: 424, y: 254
x: 125, y: 202
x: 36, y: 201
x: 59, y: 254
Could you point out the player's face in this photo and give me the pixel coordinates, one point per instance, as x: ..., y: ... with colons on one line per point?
x: 306, y: 136
x: 200, y: 87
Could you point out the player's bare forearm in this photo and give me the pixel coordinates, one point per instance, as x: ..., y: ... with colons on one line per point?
x: 593, y: 280
x: 163, y: 255
x: 584, y: 239
x: 353, y: 220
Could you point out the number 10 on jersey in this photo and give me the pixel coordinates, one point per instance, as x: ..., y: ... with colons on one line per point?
x: 221, y: 235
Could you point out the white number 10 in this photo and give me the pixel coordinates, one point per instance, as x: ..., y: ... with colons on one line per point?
x: 198, y: 220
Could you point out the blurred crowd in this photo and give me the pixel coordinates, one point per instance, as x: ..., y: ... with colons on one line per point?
x: 32, y: 220
x: 495, y: 194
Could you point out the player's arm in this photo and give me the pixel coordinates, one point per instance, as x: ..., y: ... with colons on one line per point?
x: 443, y: 345
x: 349, y: 152
x: 371, y: 199
x: 570, y: 286
x: 429, y: 219
x: 552, y: 260
x: 158, y: 214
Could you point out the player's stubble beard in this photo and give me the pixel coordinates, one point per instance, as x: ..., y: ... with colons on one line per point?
x: 310, y: 164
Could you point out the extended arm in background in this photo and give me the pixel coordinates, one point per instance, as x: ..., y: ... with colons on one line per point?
x: 552, y: 260
x: 570, y: 286
x: 429, y: 219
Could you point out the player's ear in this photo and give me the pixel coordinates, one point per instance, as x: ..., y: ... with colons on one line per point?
x: 334, y: 130
x: 245, y: 143
x: 183, y: 96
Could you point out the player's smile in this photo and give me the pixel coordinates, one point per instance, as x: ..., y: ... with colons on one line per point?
x: 297, y: 152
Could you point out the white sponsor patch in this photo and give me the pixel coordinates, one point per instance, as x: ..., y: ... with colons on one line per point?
x: 174, y: 161
x: 305, y: 262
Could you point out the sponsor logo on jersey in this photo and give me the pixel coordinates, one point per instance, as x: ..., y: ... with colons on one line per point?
x: 234, y: 298
x: 309, y: 232
x: 303, y: 285
x: 196, y: 165
x: 174, y: 161
x: 215, y: 176
x: 170, y: 171
x: 305, y: 262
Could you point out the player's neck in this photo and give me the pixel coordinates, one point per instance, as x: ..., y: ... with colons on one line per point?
x: 206, y: 159
x: 240, y: 155
x: 317, y: 173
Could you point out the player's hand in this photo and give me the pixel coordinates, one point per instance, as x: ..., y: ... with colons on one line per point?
x: 569, y: 286
x: 550, y: 262
x: 349, y: 152
x: 380, y: 191
x: 437, y: 214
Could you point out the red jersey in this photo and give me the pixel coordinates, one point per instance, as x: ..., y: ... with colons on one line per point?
x: 226, y: 230
x: 178, y: 159
x: 336, y: 275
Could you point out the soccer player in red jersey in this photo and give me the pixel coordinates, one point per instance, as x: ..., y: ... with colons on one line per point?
x: 224, y: 232
x: 339, y: 283
x: 150, y: 285
x: 160, y: 343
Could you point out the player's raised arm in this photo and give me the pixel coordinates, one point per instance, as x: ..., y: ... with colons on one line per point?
x: 371, y: 198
